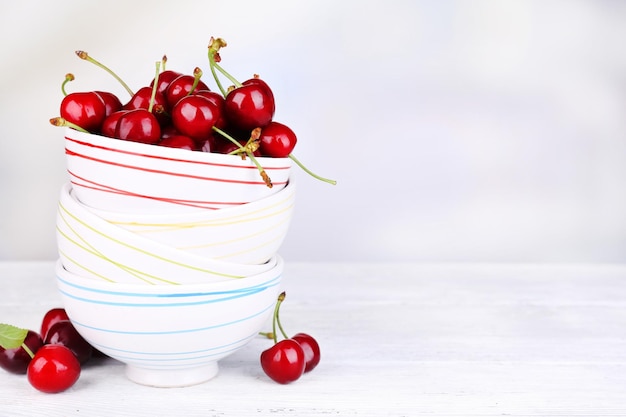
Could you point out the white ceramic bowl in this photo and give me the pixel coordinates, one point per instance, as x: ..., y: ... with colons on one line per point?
x: 118, y: 175
x: 94, y: 248
x: 170, y: 335
x: 250, y: 233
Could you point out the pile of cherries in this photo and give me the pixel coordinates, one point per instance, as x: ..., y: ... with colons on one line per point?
x: 288, y: 359
x: 179, y: 110
x: 51, y: 358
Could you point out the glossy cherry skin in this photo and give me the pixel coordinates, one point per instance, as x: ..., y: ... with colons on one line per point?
x: 165, y: 78
x: 277, y: 140
x: 179, y: 141
x: 138, y: 125
x: 218, y: 100
x: 141, y: 99
x: 53, y: 369
x: 109, y: 125
x: 111, y: 102
x: 249, y: 106
x: 180, y: 87
x: 195, y: 116
x: 16, y: 360
x: 51, y: 317
x: 64, y: 333
x: 284, y: 362
x: 84, y: 109
x: 311, y: 350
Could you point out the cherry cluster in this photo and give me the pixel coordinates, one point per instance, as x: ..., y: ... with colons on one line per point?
x: 288, y: 359
x: 179, y: 110
x: 51, y: 358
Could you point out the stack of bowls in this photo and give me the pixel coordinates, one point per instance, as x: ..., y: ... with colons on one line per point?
x: 168, y: 258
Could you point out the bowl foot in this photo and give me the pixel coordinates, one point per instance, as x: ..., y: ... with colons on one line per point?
x: 165, y: 378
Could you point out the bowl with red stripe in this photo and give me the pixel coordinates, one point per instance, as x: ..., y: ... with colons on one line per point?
x: 132, y: 177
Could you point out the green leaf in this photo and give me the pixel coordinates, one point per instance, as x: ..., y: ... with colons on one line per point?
x: 11, y: 337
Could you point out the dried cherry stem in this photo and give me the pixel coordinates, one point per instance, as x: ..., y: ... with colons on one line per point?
x: 68, y: 77
x: 308, y: 171
x: 154, y: 86
x: 84, y: 55
x: 214, y: 57
x: 163, y: 62
x: 61, y: 122
x: 248, y: 152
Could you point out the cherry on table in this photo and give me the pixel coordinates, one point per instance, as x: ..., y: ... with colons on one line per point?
x: 284, y: 362
x: 311, y: 350
x: 64, y: 333
x: 16, y: 360
x: 51, y: 317
x: 54, y: 368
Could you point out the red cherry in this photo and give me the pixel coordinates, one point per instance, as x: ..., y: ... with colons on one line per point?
x: 165, y: 78
x: 277, y: 140
x: 53, y: 369
x: 84, y: 109
x: 16, y: 360
x: 218, y: 100
x: 64, y: 333
x: 51, y: 317
x: 138, y: 125
x: 249, y: 106
x: 195, y: 116
x: 180, y: 87
x: 111, y: 102
x: 109, y: 125
x: 178, y: 141
x: 284, y: 362
x: 311, y: 350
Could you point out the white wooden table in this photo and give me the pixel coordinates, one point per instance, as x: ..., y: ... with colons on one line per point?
x: 397, y: 339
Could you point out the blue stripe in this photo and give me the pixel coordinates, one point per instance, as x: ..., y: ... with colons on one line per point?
x: 200, y: 329
x: 268, y: 283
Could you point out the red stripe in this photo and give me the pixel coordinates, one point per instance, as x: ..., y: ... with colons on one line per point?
x: 168, y: 158
x: 176, y: 174
x: 112, y: 190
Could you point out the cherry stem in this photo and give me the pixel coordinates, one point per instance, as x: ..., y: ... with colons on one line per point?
x: 227, y: 75
x: 61, y: 122
x: 245, y: 149
x: 163, y: 62
x: 68, y: 77
x: 212, y: 67
x: 301, y: 165
x: 27, y: 349
x: 154, y: 86
x: 281, y: 298
x: 197, y: 73
x: 84, y: 55
x: 214, y: 47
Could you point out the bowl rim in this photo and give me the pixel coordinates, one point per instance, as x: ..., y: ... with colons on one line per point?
x: 66, y: 277
x: 171, y: 154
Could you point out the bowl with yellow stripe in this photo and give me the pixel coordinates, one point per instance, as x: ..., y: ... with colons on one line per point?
x: 250, y: 233
x: 94, y: 248
x: 170, y: 336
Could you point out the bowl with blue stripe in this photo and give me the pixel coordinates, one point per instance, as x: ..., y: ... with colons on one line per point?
x: 171, y: 335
